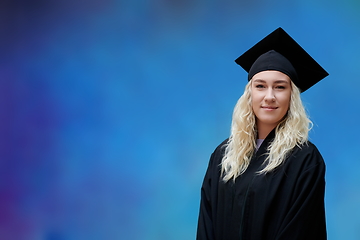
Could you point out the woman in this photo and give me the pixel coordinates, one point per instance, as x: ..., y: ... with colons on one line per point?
x: 267, y: 180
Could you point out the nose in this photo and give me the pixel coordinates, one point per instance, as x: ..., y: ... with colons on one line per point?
x: 269, y: 96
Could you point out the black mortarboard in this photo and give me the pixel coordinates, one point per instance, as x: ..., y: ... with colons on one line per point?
x: 278, y: 51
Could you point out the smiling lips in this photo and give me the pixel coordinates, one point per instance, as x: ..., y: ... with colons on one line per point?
x: 269, y: 107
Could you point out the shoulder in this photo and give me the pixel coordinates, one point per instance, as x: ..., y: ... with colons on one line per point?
x: 307, y: 155
x: 220, y: 149
x: 308, y: 147
x: 218, y: 153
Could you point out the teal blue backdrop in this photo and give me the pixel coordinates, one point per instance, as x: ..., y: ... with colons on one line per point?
x: 110, y: 110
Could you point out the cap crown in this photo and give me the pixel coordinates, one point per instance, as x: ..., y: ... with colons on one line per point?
x: 309, y: 72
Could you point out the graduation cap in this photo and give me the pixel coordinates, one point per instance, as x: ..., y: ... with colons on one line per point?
x: 278, y: 51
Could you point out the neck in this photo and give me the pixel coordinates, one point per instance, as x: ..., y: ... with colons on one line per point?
x: 264, y: 130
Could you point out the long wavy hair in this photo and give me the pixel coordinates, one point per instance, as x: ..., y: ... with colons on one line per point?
x: 290, y: 132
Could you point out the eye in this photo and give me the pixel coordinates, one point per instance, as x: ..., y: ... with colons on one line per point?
x: 259, y: 86
x: 280, y: 87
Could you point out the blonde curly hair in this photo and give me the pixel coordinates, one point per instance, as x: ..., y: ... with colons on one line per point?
x: 290, y: 132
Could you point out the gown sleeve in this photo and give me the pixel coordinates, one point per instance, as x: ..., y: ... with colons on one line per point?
x: 306, y: 216
x: 208, y: 201
x: 205, y: 230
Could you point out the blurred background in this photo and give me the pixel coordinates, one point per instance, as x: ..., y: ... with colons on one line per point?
x: 110, y: 110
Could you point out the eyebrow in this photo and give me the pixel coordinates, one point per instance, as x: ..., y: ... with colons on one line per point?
x: 277, y: 81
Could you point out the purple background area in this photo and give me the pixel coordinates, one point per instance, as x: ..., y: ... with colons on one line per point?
x: 110, y: 110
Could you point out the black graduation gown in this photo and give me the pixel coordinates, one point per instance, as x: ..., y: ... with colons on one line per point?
x: 287, y: 203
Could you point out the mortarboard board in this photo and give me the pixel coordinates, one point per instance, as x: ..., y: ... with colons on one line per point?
x: 278, y: 51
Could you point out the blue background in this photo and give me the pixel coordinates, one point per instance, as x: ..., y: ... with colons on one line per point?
x: 110, y: 110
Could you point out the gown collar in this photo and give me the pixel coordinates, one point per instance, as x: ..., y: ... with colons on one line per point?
x: 263, y: 147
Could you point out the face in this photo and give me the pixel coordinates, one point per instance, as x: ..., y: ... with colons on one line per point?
x: 270, y: 95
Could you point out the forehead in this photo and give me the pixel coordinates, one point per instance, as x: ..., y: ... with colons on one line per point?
x: 272, y: 76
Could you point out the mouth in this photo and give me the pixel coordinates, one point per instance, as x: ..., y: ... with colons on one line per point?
x: 269, y: 107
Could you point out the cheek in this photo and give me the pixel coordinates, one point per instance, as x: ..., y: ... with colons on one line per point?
x: 254, y: 103
x: 286, y: 103
x: 255, y: 98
